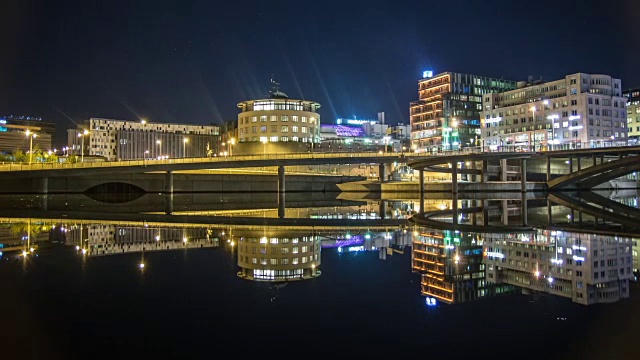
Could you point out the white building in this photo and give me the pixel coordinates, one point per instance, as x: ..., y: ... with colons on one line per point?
x: 587, y: 268
x: 129, y: 140
x: 584, y: 110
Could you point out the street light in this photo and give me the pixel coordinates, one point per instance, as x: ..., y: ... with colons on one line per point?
x: 184, y: 147
x: 533, y: 141
x: 82, y: 135
x: 553, y: 127
x: 232, y: 142
x: 31, y: 136
x: 159, y: 147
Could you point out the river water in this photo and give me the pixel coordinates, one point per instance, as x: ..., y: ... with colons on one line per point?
x: 333, y: 274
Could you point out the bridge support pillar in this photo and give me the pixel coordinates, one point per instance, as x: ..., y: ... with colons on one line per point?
x: 485, y: 171
x: 281, y: 206
x: 601, y: 159
x: 382, y: 209
x: 524, y: 210
x: 637, y: 173
x: 593, y: 159
x: 548, y: 168
x: 168, y: 203
x: 454, y: 178
x: 454, y: 207
x: 168, y: 182
x: 523, y: 175
x: 505, y: 212
x: 421, y: 181
x: 381, y: 171
x: 485, y: 212
x: 578, y: 163
x: 570, y: 165
x: 503, y: 169
x: 281, y: 187
x: 549, y: 213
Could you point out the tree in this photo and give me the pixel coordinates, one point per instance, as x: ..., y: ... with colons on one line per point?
x: 19, y: 156
x: 72, y: 159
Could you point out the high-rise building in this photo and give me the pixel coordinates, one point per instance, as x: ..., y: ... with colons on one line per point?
x: 447, y: 113
x: 132, y: 140
x: 586, y: 110
x: 279, y: 119
x: 633, y: 115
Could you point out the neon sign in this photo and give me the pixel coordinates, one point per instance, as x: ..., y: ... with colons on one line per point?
x: 427, y: 74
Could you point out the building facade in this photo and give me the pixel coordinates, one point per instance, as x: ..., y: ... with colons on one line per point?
x: 448, y: 111
x: 278, y: 257
x: 134, y: 140
x: 13, y: 133
x: 583, y: 110
x: 279, y: 119
x: 587, y: 268
x: 633, y: 115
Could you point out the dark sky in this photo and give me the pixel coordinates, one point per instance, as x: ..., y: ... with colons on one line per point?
x: 193, y: 61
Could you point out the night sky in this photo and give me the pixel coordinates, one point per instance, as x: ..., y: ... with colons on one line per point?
x: 193, y: 61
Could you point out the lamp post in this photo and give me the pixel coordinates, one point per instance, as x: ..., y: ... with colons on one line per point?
x: 31, y: 136
x: 82, y: 135
x: 553, y: 127
x: 575, y: 134
x: 159, y: 148
x: 184, y: 147
x: 232, y: 142
x: 532, y: 141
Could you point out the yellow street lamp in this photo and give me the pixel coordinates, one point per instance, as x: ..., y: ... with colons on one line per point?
x: 232, y: 142
x: 82, y: 135
x: 31, y: 135
x: 159, y: 147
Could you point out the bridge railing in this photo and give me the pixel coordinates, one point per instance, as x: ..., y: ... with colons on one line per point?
x: 12, y: 166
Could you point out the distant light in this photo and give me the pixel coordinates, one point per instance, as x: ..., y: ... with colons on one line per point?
x: 184, y: 240
x: 550, y: 280
x: 84, y: 251
x: 431, y: 301
x: 546, y: 102
x: 427, y: 73
x: 574, y: 117
x: 141, y: 266
x: 495, y: 254
x: 24, y: 253
x: 537, y: 273
x: 31, y: 250
x: 77, y: 247
x: 578, y: 258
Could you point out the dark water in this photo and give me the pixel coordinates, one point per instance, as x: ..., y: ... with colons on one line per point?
x: 189, y: 302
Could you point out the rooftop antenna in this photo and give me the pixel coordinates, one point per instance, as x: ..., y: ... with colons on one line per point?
x: 276, y: 85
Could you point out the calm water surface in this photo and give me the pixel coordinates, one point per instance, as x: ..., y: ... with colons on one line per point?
x: 360, y: 292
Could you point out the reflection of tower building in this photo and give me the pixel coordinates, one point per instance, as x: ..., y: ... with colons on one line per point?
x: 451, y: 268
x: 278, y: 257
x: 111, y: 239
x: 586, y: 268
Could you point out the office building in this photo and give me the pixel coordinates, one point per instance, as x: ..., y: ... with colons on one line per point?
x: 447, y: 113
x: 135, y: 140
x: 13, y: 133
x: 633, y: 115
x: 280, y: 123
x: 584, y: 110
x: 586, y: 268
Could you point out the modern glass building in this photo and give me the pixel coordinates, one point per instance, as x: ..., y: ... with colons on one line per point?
x: 448, y: 111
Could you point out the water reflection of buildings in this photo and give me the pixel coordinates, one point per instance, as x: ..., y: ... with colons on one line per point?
x: 278, y: 256
x: 451, y: 267
x: 586, y: 268
x: 106, y: 239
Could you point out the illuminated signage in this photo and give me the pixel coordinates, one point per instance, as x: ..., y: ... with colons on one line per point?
x: 495, y: 254
x: 427, y: 74
x: 578, y: 258
x: 574, y: 117
x: 355, y: 121
x: 492, y: 120
x: 3, y: 121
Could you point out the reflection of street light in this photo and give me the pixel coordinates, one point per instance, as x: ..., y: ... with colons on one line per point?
x: 414, y: 147
x: 31, y: 136
x: 159, y: 147
x: 264, y: 148
x: 232, y: 142
x: 184, y: 147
